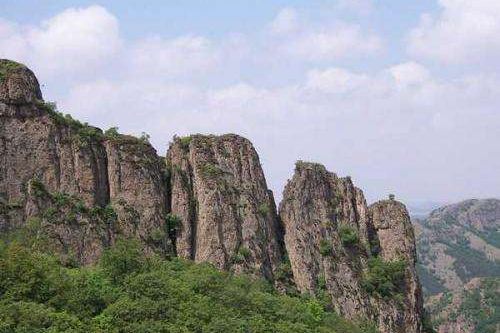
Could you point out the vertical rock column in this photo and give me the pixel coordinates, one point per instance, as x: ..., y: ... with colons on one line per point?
x: 316, y: 205
x: 138, y: 192
x: 227, y: 213
x: 334, y: 240
x: 396, y: 237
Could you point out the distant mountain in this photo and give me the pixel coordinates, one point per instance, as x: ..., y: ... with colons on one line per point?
x: 421, y: 209
x: 458, y: 247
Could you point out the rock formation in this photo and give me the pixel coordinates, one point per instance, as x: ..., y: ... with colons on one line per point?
x: 338, y: 245
x: 79, y: 189
x: 227, y: 213
x: 77, y: 169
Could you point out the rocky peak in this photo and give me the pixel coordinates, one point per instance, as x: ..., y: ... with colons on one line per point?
x: 83, y: 187
x: 391, y: 222
x: 18, y: 84
x: 341, y: 248
x: 227, y: 213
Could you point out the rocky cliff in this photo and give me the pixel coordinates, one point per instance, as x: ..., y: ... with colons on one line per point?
x: 362, y: 257
x: 227, y: 213
x: 84, y: 188
x: 78, y: 190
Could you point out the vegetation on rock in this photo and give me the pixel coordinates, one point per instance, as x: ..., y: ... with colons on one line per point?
x: 384, y: 278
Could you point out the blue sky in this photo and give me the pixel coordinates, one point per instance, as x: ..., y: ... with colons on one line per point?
x: 404, y: 96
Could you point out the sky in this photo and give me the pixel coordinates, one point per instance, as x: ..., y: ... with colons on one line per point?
x: 403, y: 96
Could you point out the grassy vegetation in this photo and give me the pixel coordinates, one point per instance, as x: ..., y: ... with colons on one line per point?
x: 482, y: 306
x: 348, y: 235
x: 6, y: 66
x: 384, y: 278
x: 325, y: 248
x: 128, y: 292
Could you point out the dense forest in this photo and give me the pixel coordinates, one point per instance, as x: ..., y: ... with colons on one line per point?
x: 129, y: 292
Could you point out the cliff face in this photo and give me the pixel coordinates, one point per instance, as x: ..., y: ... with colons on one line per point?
x: 79, y: 189
x: 76, y: 170
x: 339, y: 246
x: 227, y: 213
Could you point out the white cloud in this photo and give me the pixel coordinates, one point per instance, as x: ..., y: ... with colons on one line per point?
x: 76, y: 40
x: 464, y: 32
x: 324, y: 41
x: 171, y: 57
x: 335, y: 80
x: 409, y: 73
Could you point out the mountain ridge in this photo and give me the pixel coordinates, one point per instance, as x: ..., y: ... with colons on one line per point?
x: 206, y: 201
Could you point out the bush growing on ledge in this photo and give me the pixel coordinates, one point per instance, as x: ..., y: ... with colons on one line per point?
x: 173, y: 222
x: 263, y: 209
x: 6, y: 66
x: 348, y: 235
x: 112, y: 133
x: 325, y: 248
x: 384, y: 278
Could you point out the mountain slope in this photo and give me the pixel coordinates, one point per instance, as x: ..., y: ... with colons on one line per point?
x: 457, y: 243
x: 459, y: 265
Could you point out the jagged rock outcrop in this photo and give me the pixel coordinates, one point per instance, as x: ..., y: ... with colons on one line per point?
x: 227, y: 213
x: 138, y: 191
x: 396, y: 240
x: 316, y: 205
x: 68, y: 159
x: 78, y: 189
x: 338, y: 245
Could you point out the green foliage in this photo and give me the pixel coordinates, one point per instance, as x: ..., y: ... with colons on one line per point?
x: 325, y: 248
x: 241, y: 255
x: 348, y: 235
x: 173, y: 223
x: 37, y: 188
x: 112, y: 133
x: 128, y: 292
x: 7, y: 66
x: 384, y: 278
x: 209, y: 170
x: 263, y: 209
x: 185, y: 141
x: 145, y: 137
x: 125, y: 258
x: 482, y: 306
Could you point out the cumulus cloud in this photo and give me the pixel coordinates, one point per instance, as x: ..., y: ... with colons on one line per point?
x: 322, y: 42
x: 463, y: 32
x: 172, y: 57
x: 76, y: 40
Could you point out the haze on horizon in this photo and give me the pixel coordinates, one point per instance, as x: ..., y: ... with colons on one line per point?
x: 402, y: 96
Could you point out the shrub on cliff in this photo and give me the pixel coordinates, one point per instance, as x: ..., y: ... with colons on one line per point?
x: 384, y: 278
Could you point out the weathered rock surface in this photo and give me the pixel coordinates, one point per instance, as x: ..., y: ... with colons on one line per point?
x: 330, y: 236
x: 71, y: 159
x: 227, y: 213
x: 78, y: 189
x: 396, y: 239
x: 138, y: 192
